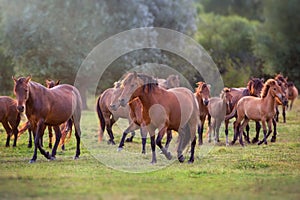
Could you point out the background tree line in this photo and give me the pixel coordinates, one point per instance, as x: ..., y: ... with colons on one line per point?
x: 50, y: 39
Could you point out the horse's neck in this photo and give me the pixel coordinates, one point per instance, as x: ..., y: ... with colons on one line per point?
x: 269, y: 101
x: 34, y: 100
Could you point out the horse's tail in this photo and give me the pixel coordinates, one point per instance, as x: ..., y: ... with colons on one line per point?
x: 66, y: 132
x: 232, y: 114
x: 101, y: 119
x: 184, y: 138
x: 23, y: 128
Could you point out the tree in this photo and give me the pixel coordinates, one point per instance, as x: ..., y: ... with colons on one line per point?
x: 278, y: 41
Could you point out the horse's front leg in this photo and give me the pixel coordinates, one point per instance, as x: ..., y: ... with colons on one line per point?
x: 226, y: 132
x: 131, y: 127
x: 283, y: 113
x: 151, y: 131
x: 39, y: 132
x: 169, y: 138
x: 57, y: 140
x: 50, y: 136
x: 29, y: 138
x: 144, y: 131
x: 200, y: 131
x: 160, y: 135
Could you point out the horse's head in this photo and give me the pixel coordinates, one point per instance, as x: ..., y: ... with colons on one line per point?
x: 51, y: 83
x: 115, y: 103
x: 173, y: 81
x: 134, y: 84
x: 21, y: 90
x: 203, y: 90
x: 275, y: 90
x: 255, y: 86
x: 227, y: 97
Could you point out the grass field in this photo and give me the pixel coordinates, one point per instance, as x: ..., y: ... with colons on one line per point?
x: 254, y: 172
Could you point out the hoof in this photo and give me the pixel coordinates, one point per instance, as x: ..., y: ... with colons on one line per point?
x: 111, y: 142
x: 29, y: 145
x: 50, y: 146
x: 169, y: 156
x: 153, y: 162
x: 52, y: 158
x: 120, y: 149
x: 232, y: 142
x: 143, y: 152
x: 7, y: 145
x: 200, y: 143
x: 273, y: 139
x: 254, y: 140
x: 181, y: 158
x: 76, y: 157
x: 260, y: 142
x: 191, y: 161
x: 32, y: 161
x: 128, y: 140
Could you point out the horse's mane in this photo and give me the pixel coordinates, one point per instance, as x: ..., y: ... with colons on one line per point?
x: 255, y: 83
x: 280, y: 78
x: 224, y: 91
x: 266, y: 87
x: 149, y: 82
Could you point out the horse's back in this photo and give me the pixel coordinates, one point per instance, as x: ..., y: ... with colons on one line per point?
x: 8, y: 106
x: 216, y: 108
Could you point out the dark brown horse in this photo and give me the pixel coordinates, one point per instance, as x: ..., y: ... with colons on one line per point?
x: 202, y: 94
x: 173, y: 109
x: 258, y: 109
x: 254, y: 87
x: 10, y: 118
x: 48, y: 107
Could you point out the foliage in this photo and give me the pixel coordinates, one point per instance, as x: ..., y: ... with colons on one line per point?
x: 277, y: 41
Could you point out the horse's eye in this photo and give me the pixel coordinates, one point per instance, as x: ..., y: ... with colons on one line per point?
x: 132, y: 85
x: 275, y: 89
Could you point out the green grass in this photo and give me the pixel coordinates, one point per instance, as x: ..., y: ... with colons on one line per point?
x: 262, y: 172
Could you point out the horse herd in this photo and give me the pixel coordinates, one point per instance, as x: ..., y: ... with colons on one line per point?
x: 149, y: 104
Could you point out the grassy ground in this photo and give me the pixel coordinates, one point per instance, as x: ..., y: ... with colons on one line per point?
x: 262, y: 172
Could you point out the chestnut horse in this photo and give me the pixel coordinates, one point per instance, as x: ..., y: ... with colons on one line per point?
x: 173, y: 109
x: 217, y: 108
x: 10, y: 118
x: 258, y: 109
x: 202, y: 94
x: 292, y: 93
x: 171, y: 82
x: 254, y: 87
x: 48, y: 107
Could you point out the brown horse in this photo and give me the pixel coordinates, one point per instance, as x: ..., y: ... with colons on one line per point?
x: 217, y: 108
x: 202, y: 94
x: 10, y: 118
x: 48, y: 107
x: 173, y: 109
x: 258, y: 109
x: 282, y: 82
x: 108, y: 114
x: 254, y: 87
x: 292, y: 93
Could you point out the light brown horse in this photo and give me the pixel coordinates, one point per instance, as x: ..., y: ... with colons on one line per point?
x: 258, y: 109
x: 173, y: 109
x: 292, y: 93
x: 108, y: 114
x: 217, y: 108
x: 10, y: 118
x: 171, y: 82
x: 48, y: 107
x: 202, y: 94
x: 254, y: 87
x: 282, y: 82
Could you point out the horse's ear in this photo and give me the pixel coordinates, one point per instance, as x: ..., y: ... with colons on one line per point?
x: 13, y: 78
x: 28, y: 78
x: 197, y: 83
x: 286, y: 78
x: 262, y: 79
x: 135, y: 74
x: 209, y: 86
x: 57, y: 82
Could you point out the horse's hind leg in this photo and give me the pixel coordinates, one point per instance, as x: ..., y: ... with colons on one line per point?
x: 76, y: 122
x: 110, y: 132
x: 265, y: 133
x: 169, y: 138
x: 8, y: 132
x: 273, y: 139
x: 226, y: 132
x: 50, y: 136
x: 257, y: 128
x: 14, y: 124
x: 57, y: 140
x: 158, y: 143
x: 283, y: 114
x: 246, y: 135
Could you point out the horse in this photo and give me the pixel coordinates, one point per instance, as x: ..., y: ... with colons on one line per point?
x: 48, y: 107
x: 202, y: 93
x: 108, y: 114
x: 258, y: 109
x: 217, y: 108
x: 284, y: 86
x: 10, y: 118
x: 173, y: 109
x: 292, y: 93
x: 254, y: 87
x: 171, y: 82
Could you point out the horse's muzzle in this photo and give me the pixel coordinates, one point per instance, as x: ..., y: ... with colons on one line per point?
x: 20, y: 109
x: 206, y: 101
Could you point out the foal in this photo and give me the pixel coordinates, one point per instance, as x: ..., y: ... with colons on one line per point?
x: 258, y: 109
